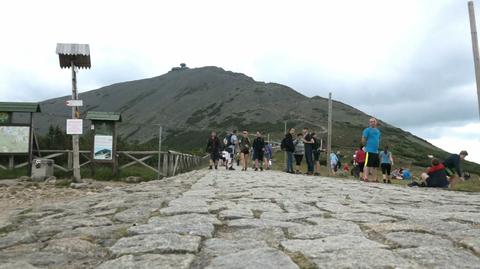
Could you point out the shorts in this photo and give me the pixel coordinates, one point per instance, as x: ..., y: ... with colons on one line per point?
x: 334, y: 166
x: 298, y: 159
x: 214, y: 156
x: 361, y: 166
x: 449, y: 172
x: 258, y: 155
x: 245, y: 151
x: 372, y: 160
x: 386, y: 168
x: 316, y: 155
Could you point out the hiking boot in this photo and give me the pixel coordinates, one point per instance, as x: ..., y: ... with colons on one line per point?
x: 216, y: 167
x: 316, y: 174
x: 256, y: 169
x: 261, y: 168
x: 210, y: 167
x: 389, y: 182
x: 231, y: 168
x: 384, y: 181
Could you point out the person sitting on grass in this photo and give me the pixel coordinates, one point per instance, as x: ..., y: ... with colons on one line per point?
x: 435, y: 177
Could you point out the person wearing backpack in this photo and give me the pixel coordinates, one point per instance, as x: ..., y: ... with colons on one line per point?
x: 299, y: 152
x: 289, y: 147
x: 213, y: 147
x: 386, y: 163
x: 245, y: 145
x: 268, y: 155
x: 230, y: 142
x: 258, y: 147
x: 316, y: 153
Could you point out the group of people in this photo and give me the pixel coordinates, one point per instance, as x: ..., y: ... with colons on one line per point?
x: 238, y: 148
x: 367, y: 158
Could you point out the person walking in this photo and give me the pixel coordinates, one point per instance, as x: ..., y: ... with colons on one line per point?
x: 231, y: 142
x: 213, y: 147
x: 316, y: 153
x: 258, y: 147
x: 308, y: 144
x: 289, y: 147
x: 386, y: 163
x: 245, y: 146
x: 299, y: 152
x: 371, y: 140
x: 360, y: 156
x: 333, y: 163
x: 268, y: 155
x: 453, y: 168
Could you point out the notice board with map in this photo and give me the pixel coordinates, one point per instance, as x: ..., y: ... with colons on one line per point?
x: 14, y: 139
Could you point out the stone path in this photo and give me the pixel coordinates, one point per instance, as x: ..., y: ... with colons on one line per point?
x: 220, y: 219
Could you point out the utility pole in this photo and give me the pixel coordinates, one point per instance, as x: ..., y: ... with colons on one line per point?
x: 329, y: 132
x: 159, y: 150
x: 476, y: 61
x: 285, y: 153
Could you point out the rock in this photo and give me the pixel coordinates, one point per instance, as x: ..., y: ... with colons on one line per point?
x: 220, y: 247
x: 238, y: 213
x: 440, y: 257
x: 24, y: 178
x: 272, y: 236
x: 149, y: 261
x: 107, y: 188
x: 19, y: 265
x: 189, y: 224
x: 186, y: 205
x: 361, y: 258
x: 83, y: 185
x: 412, y: 239
x: 75, y: 247
x: 324, y: 228
x: 51, y: 180
x: 312, y: 248
x: 260, y: 258
x: 133, y: 179
x: 134, y: 214
x: 17, y: 237
x: 156, y: 243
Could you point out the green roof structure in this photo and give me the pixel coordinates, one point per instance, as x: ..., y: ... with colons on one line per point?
x: 103, y: 116
x: 19, y: 107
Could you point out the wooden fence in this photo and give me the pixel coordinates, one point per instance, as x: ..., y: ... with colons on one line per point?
x: 171, y: 163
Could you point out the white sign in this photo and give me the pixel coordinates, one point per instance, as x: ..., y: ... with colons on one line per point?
x: 102, y: 147
x: 74, y: 102
x: 74, y: 126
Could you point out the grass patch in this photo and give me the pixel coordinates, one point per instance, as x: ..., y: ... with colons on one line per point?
x: 121, y: 232
x: 302, y: 261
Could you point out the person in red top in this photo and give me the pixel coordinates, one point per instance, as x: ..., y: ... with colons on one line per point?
x: 360, y: 160
x: 435, y: 177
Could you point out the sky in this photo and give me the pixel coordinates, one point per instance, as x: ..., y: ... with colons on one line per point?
x: 407, y: 62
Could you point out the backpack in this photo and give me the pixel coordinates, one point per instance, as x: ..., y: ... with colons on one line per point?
x: 227, y: 141
x: 283, y: 144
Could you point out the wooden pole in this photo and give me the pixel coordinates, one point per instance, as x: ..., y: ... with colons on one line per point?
x: 75, y: 138
x: 159, y: 150
x: 329, y: 132
x: 476, y: 57
x: 285, y: 153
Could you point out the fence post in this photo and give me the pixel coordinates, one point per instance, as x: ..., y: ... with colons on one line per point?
x: 165, y: 164
x: 11, y: 162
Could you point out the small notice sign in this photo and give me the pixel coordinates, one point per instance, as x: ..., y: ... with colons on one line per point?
x: 74, y: 102
x: 74, y: 126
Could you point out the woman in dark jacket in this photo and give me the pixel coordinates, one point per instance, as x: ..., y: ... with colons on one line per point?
x: 289, y: 148
x: 214, y: 147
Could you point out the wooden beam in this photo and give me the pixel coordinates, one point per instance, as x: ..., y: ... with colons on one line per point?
x: 135, y: 161
x: 140, y: 162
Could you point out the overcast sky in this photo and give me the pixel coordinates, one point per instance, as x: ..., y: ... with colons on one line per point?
x: 406, y: 62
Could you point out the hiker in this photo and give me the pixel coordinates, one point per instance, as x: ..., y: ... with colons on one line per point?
x: 339, y: 161
x: 333, y: 163
x: 227, y: 159
x: 258, y: 148
x: 435, y: 177
x: 386, y: 163
x: 360, y: 160
x: 268, y: 155
x: 316, y: 153
x: 230, y: 142
x: 308, y: 144
x: 453, y: 169
x: 244, y: 144
x: 213, y: 147
x: 299, y: 152
x: 289, y: 147
x: 371, y: 140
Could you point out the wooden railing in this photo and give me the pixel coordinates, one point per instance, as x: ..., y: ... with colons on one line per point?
x: 171, y: 163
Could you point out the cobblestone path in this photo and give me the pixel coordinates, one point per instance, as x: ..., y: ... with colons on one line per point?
x: 234, y: 219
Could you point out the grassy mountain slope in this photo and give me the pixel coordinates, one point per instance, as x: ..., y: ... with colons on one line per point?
x: 191, y: 102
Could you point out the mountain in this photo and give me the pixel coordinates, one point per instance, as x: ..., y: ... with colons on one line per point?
x: 189, y: 103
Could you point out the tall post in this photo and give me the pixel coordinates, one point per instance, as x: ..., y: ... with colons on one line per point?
x: 329, y: 132
x: 285, y: 153
x: 159, y: 150
x: 476, y: 61
x: 75, y: 137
